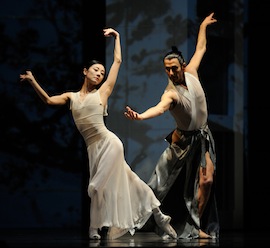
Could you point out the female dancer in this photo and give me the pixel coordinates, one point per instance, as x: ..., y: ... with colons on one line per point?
x: 120, y: 200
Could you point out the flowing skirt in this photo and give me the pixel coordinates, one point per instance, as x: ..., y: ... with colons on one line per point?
x: 120, y: 200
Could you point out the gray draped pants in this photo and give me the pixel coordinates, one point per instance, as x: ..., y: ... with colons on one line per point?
x: 175, y: 182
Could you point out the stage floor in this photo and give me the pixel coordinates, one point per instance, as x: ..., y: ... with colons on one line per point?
x: 41, y: 238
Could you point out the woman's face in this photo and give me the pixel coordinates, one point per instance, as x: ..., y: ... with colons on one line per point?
x: 95, y: 73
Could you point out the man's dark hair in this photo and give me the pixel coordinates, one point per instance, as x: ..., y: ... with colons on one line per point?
x: 175, y: 53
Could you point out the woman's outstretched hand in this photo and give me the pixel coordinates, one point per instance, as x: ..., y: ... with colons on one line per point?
x: 27, y: 76
x: 110, y: 32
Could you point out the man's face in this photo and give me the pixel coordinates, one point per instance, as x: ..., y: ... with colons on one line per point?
x: 174, y: 70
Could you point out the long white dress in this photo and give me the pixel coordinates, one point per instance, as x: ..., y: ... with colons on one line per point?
x: 120, y: 200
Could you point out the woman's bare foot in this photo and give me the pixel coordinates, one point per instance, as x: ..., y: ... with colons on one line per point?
x: 93, y: 233
x: 163, y: 221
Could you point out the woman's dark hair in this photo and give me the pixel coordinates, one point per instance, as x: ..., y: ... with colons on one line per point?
x: 92, y: 62
x: 175, y: 53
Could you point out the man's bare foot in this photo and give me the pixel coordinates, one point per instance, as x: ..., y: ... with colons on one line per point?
x: 203, y: 235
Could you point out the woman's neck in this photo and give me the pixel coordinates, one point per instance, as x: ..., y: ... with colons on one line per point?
x: 87, y: 88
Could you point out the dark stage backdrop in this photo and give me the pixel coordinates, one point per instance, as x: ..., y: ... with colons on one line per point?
x: 44, y: 170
